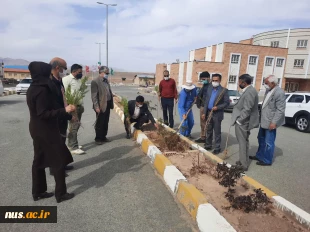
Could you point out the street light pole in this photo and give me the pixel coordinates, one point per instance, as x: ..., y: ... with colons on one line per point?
x: 107, y: 30
x: 100, y: 52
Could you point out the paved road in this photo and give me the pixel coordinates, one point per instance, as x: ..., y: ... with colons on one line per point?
x: 116, y: 187
x: 289, y: 176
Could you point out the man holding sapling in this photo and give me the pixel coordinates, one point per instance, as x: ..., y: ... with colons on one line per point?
x: 73, y: 83
x: 102, y: 98
x: 139, y: 113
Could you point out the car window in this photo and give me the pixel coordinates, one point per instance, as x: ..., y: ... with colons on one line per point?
x: 295, y: 98
x: 286, y: 96
x: 307, y: 98
x: 26, y: 81
x: 233, y: 93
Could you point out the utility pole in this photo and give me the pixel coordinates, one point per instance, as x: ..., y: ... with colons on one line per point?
x: 99, y: 52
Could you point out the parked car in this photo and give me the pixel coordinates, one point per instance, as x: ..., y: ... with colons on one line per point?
x: 234, y: 96
x: 297, y: 110
x: 23, y: 85
x: 1, y: 88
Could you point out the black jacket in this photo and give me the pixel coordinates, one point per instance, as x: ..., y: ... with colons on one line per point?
x: 201, y: 96
x: 144, y: 110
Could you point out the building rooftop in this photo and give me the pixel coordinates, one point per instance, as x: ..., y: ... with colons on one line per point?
x: 23, y: 67
x: 16, y: 70
x: 146, y: 76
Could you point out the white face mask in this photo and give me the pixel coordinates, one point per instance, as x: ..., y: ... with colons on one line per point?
x: 215, y: 84
x: 267, y: 86
x: 106, y: 76
x: 166, y: 78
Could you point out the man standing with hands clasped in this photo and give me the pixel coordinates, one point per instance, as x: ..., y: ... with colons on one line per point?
x: 168, y: 94
x: 245, y: 117
x: 102, y: 98
x: 272, y: 117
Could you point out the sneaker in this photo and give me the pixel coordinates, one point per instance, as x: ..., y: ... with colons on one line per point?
x: 77, y: 152
x: 80, y: 147
x: 200, y: 140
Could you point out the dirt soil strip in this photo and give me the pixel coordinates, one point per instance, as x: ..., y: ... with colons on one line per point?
x: 199, y: 207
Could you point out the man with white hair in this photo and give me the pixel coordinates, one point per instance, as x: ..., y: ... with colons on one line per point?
x: 272, y: 117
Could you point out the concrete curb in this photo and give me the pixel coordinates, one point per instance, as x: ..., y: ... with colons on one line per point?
x: 206, y: 216
x: 8, y: 92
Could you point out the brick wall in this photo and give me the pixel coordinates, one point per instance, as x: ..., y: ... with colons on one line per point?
x: 246, y: 41
x: 160, y: 68
x: 200, y: 54
x: 213, y: 53
x: 174, y: 71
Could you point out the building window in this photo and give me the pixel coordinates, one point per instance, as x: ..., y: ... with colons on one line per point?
x: 269, y: 61
x: 235, y: 59
x: 302, y: 43
x: 274, y: 44
x: 15, y: 74
x: 299, y: 63
x: 280, y: 62
x: 252, y: 60
x: 232, y: 78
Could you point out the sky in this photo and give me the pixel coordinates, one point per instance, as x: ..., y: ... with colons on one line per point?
x: 142, y: 33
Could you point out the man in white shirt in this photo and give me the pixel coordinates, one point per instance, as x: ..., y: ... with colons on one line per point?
x: 74, y: 80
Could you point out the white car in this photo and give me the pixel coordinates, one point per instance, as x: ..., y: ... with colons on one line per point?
x: 297, y: 110
x: 234, y: 96
x: 1, y: 88
x: 23, y: 85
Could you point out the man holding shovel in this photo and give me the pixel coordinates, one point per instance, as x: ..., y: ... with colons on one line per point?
x: 187, y: 98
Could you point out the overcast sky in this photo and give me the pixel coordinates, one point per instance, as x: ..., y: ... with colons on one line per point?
x: 141, y: 32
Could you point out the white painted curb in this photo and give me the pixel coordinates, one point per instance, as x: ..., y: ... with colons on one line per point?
x: 152, y: 151
x: 210, y: 220
x: 172, y: 176
x: 140, y: 138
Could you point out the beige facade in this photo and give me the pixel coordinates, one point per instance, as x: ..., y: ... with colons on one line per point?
x: 17, y: 74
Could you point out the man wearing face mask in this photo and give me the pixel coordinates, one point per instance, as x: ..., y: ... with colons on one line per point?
x: 205, y: 80
x: 138, y: 113
x: 74, y: 80
x: 58, y: 69
x: 215, y: 94
x: 245, y: 117
x: 102, y: 98
x: 272, y: 117
x: 168, y: 95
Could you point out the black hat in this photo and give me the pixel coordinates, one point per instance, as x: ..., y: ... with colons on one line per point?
x: 204, y: 74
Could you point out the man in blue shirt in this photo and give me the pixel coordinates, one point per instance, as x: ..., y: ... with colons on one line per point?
x: 216, y: 100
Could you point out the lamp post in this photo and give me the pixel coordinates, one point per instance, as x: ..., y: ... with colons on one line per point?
x: 107, y: 31
x: 100, y: 52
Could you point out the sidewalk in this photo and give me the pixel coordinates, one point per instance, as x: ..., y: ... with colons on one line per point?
x: 116, y: 187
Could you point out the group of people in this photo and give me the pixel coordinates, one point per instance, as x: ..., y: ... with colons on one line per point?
x: 212, y: 99
x: 49, y: 118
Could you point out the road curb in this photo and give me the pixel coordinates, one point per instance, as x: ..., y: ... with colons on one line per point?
x: 206, y: 216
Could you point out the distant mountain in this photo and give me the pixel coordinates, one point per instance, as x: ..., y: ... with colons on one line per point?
x: 9, y: 61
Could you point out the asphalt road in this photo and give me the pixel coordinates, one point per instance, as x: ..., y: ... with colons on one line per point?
x: 289, y: 176
x: 116, y: 187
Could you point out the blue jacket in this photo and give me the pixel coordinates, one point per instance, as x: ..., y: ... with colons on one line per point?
x: 186, y: 100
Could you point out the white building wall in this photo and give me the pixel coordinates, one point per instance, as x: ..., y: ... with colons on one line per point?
x: 252, y: 69
x: 181, y: 74
x: 279, y: 71
x: 268, y: 70
x: 234, y: 69
x: 192, y: 55
x: 189, y: 71
x: 219, y: 53
x: 169, y: 67
x: 208, y: 56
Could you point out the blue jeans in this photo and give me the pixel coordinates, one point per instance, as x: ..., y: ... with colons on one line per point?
x: 187, y: 125
x: 266, y: 139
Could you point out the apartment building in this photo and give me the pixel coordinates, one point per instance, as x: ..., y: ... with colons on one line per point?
x: 230, y: 60
x: 297, y: 68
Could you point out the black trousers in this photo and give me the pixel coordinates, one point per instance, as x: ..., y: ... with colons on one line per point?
x: 168, y: 104
x: 39, y: 177
x: 216, y: 126
x: 139, y: 122
x: 102, y: 124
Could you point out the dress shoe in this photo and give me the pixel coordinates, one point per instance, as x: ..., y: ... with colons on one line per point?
x: 37, y: 197
x: 99, y: 142
x: 106, y: 140
x: 253, y: 158
x: 68, y: 167
x: 128, y: 136
x: 208, y: 148
x: 216, y: 152
x: 66, y: 196
x: 200, y: 140
x: 260, y: 163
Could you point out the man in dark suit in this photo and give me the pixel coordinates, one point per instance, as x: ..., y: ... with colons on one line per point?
x: 216, y: 101
x: 139, y: 113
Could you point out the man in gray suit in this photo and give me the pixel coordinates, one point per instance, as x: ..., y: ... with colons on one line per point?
x: 102, y: 98
x: 245, y: 117
x: 216, y: 100
x: 272, y: 117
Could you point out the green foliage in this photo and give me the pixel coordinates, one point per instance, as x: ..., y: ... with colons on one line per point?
x: 150, y: 107
x: 124, y: 103
x: 157, y: 88
x: 76, y: 97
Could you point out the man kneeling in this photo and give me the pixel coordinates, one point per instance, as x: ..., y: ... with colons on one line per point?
x: 139, y: 113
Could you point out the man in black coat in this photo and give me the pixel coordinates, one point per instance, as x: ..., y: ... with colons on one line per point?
x: 139, y: 113
x: 49, y: 148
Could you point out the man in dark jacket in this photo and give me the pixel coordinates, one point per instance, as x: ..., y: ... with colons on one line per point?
x: 204, y: 77
x: 58, y: 70
x: 49, y: 149
x: 139, y: 113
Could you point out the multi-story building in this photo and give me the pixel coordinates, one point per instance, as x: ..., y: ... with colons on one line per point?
x: 263, y: 54
x: 297, y: 68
